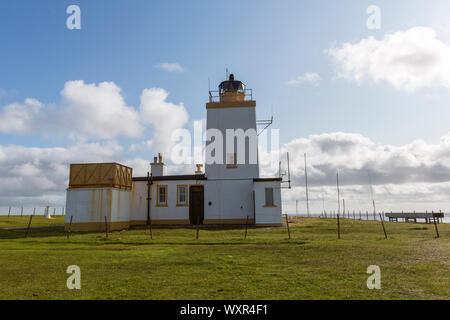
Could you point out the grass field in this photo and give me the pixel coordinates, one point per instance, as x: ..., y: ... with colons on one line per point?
x: 222, y: 265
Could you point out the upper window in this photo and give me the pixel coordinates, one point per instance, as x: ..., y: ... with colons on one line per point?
x: 269, y: 197
x: 182, y: 195
x: 231, y: 160
x: 162, y: 195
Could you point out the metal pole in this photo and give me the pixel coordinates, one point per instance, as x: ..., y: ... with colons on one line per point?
x: 339, y: 227
x: 306, y: 182
x: 339, y: 201
x: 149, y: 198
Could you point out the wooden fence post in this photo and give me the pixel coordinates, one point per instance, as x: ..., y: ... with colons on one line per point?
x: 246, y: 226
x: 382, y: 224
x: 34, y: 211
x: 70, y: 226
x: 9, y: 212
x: 287, y: 224
x: 198, y: 225
x: 359, y: 214
x: 106, y: 228
x: 21, y: 212
x: 28, y: 228
x: 435, y: 225
x: 367, y: 215
x: 339, y: 227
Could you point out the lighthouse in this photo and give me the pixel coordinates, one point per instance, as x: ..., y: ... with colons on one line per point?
x: 231, y: 116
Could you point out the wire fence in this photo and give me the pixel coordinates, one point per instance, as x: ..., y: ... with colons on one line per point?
x: 27, y: 211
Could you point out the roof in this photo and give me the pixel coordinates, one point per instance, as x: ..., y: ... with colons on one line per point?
x: 267, y: 179
x: 177, y: 177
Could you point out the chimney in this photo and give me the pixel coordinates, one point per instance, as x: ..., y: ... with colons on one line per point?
x: 199, y: 169
x: 157, y: 166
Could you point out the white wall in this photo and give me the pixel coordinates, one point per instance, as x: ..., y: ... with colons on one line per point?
x: 230, y: 199
x: 231, y: 118
x: 171, y: 212
x: 92, y: 205
x: 267, y: 215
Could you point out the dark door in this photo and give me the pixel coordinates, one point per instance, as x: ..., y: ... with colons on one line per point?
x: 196, y: 205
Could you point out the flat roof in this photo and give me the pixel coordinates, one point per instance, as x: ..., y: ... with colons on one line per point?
x: 177, y: 177
x: 267, y: 179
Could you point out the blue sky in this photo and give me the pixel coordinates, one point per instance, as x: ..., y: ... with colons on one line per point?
x: 265, y: 43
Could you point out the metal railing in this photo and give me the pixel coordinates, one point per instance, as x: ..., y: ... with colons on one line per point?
x: 214, y: 95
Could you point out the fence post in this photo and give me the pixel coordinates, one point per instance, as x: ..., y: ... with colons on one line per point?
x: 9, y: 212
x: 106, y: 228
x: 34, y: 211
x: 246, y: 226
x: 435, y: 225
x: 21, y: 212
x: 339, y: 227
x: 198, y: 225
x: 70, y: 226
x: 28, y: 228
x: 287, y: 224
x: 382, y: 224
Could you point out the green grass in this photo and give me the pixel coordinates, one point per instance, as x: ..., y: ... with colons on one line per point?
x: 222, y: 265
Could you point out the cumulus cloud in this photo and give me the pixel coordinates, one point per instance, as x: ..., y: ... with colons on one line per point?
x: 408, y: 60
x: 415, y: 174
x: 40, y: 175
x: 87, y: 110
x: 170, y: 67
x: 308, y: 77
x: 164, y: 117
x: 98, y: 110
x: 17, y: 117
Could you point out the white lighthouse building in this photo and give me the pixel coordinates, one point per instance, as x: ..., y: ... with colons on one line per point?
x: 230, y: 190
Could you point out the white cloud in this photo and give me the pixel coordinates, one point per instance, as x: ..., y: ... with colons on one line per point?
x: 17, y: 117
x: 164, y: 117
x: 87, y: 111
x: 414, y: 176
x: 98, y: 111
x: 307, y: 77
x: 408, y: 60
x: 170, y: 67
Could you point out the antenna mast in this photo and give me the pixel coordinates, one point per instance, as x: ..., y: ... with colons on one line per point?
x: 306, y: 182
x: 339, y: 200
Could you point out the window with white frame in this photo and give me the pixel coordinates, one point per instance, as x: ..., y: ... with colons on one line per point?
x: 269, y: 197
x: 182, y: 199
x: 162, y: 195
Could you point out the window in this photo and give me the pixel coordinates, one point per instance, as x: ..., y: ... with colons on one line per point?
x: 162, y: 196
x: 182, y: 195
x: 269, y: 197
x: 231, y: 160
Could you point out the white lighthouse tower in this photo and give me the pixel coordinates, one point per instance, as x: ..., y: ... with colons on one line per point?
x: 232, y: 118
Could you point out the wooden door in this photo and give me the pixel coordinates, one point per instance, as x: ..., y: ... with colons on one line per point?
x: 196, y: 204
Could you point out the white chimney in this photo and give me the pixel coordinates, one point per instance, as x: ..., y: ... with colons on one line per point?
x: 157, y: 166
